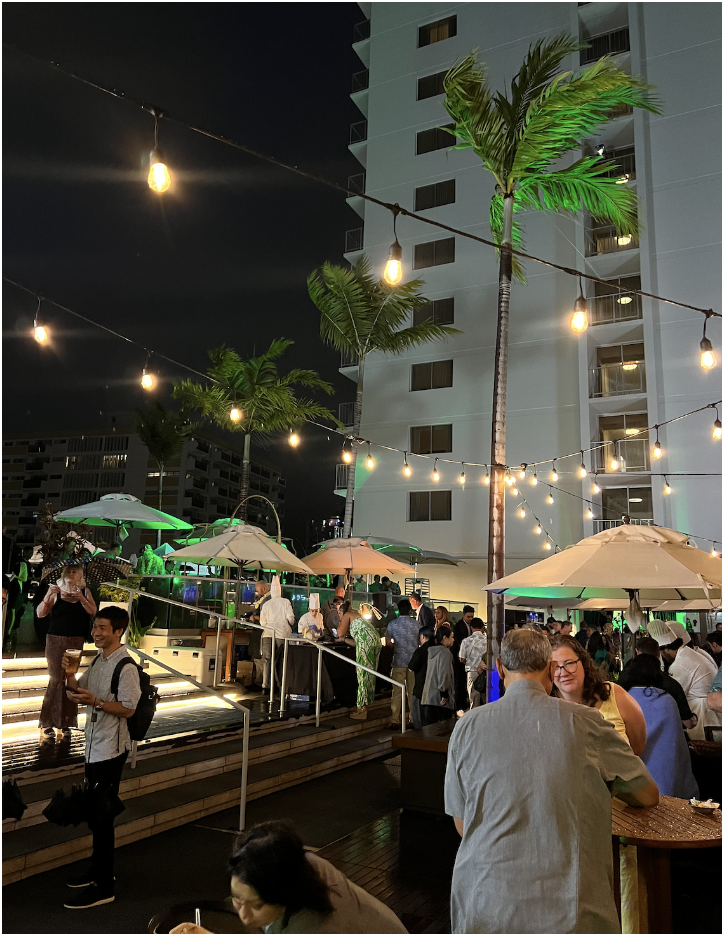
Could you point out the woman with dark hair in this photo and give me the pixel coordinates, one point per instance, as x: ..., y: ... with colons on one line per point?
x: 598, y: 651
x: 577, y: 679
x: 438, y: 695
x: 666, y: 754
x: 278, y: 886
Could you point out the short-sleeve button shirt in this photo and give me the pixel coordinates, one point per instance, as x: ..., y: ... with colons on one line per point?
x: 108, y: 736
x: 473, y: 650
x: 406, y: 633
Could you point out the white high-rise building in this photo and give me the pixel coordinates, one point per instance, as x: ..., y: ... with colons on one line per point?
x: 638, y: 362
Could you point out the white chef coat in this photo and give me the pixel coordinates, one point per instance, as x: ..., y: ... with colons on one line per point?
x: 695, y: 671
x: 277, y: 617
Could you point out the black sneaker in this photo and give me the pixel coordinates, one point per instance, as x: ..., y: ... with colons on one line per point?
x: 90, y: 897
x: 82, y: 881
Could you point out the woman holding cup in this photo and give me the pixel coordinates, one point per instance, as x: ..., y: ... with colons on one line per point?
x: 71, y: 608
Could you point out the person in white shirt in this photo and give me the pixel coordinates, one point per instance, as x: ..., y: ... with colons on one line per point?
x: 472, y: 655
x: 277, y: 618
x: 692, y: 668
x: 311, y: 625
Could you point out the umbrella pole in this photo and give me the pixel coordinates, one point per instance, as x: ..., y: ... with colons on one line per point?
x: 273, y: 672
x: 244, y: 771
x: 319, y: 685
x: 283, y: 698
x: 216, y: 656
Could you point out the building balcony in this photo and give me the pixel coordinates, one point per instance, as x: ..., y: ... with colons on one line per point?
x: 620, y: 110
x: 600, y: 240
x: 347, y: 360
x: 625, y: 160
x: 358, y: 132
x: 361, y: 31
x: 600, y: 525
x: 617, y: 379
x: 340, y: 478
x: 356, y: 183
x: 632, y: 455
x: 608, y: 43
x: 607, y: 309
x: 360, y: 82
x: 354, y: 240
x: 346, y: 414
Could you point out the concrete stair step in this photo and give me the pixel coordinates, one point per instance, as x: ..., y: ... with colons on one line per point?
x: 38, y: 848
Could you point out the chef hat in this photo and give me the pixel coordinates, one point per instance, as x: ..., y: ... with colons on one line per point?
x: 679, y: 631
x: 276, y: 587
x: 661, y: 632
x: 313, y: 601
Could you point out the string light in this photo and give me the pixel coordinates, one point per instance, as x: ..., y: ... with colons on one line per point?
x: 534, y: 479
x: 347, y: 452
x: 293, y: 439
x: 436, y: 472
x: 40, y: 333
x: 554, y: 473
x: 549, y: 499
x: 515, y: 491
x: 235, y: 414
x: 615, y: 460
x: 508, y: 478
x: 579, y: 319
x: 582, y: 472
x: 393, y: 267
x: 547, y: 545
x: 521, y: 471
x: 667, y: 488
x: 716, y: 430
x: 461, y: 478
x: 596, y: 488
x: 538, y: 529
x: 714, y: 552
x: 370, y: 458
x: 657, y: 452
x: 406, y: 469
x: 589, y: 513
x: 707, y: 359
x: 159, y: 177
x: 486, y: 478
x: 521, y: 512
x: 147, y: 380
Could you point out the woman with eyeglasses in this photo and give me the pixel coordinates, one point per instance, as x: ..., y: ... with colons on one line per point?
x: 577, y: 679
x: 278, y: 886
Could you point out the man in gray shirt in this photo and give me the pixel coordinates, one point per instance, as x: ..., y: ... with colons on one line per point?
x: 107, y: 743
x: 529, y: 783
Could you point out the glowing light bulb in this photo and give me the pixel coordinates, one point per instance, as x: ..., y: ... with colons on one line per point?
x: 579, y: 322
x: 667, y: 489
x: 521, y: 473
x: 508, y: 479
x: 159, y: 177
x: 235, y: 414
x: 436, y: 476
x: 554, y: 476
x: 714, y: 553
x: 550, y: 499
x: 461, y: 479
x: 707, y: 360
x: 370, y: 462
x: 521, y: 513
x: 294, y: 439
x: 486, y: 479
x: 534, y: 480
x: 547, y: 545
x: 147, y: 381
x: 407, y: 470
x: 393, y: 267
x: 614, y: 463
x: 596, y: 488
x: 624, y: 240
x: 538, y: 529
x: 657, y: 452
x: 347, y: 456
x: 589, y: 514
x: 716, y: 431
x: 40, y: 333
x: 514, y: 491
x: 582, y: 472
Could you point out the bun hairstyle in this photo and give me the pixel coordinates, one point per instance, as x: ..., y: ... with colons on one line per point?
x: 443, y: 632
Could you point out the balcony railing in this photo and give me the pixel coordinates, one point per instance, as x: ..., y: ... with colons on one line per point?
x: 620, y: 110
x: 616, y: 379
x: 354, y: 239
x: 346, y: 413
x: 361, y: 31
x: 625, y: 164
x: 340, y: 476
x: 358, y: 132
x: 360, y: 80
x: 605, y: 309
x: 348, y: 359
x: 633, y: 451
x: 600, y: 525
x: 610, y: 43
x: 600, y: 240
x: 356, y: 183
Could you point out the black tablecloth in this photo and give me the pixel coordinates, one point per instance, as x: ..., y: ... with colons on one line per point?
x: 302, y: 672
x: 339, y: 678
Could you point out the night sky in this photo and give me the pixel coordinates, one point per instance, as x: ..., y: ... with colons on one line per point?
x: 221, y: 258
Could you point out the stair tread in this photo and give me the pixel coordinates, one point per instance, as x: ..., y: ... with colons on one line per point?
x: 41, y: 836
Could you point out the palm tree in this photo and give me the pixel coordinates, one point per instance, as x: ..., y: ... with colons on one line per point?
x: 520, y: 139
x: 360, y: 315
x: 251, y: 396
x: 164, y: 434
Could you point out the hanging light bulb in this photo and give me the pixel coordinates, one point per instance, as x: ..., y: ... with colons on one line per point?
x: 40, y: 333
x: 596, y: 487
x: 667, y: 488
x: 514, y: 491
x: 549, y: 499
x: 554, y: 474
x: 707, y: 359
x: 716, y: 431
x: 615, y: 460
x: 521, y: 471
x: 486, y: 478
x: 547, y: 545
x: 534, y: 479
x: 538, y: 529
x: 347, y: 452
x: 521, y: 512
x: 393, y: 267
x: 589, y: 513
x: 508, y: 478
x: 582, y: 472
x: 159, y: 177
x: 579, y: 319
x: 147, y: 380
x: 370, y: 459
x: 714, y: 552
x: 406, y: 469
x: 293, y: 439
x: 235, y: 414
x: 461, y: 478
x: 435, y: 473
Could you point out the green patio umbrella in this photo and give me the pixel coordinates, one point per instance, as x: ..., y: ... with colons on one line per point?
x: 121, y: 511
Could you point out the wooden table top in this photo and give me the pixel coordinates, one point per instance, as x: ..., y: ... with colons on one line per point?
x: 432, y: 738
x: 672, y: 824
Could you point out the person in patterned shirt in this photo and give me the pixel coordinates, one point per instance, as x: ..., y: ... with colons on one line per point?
x: 472, y: 655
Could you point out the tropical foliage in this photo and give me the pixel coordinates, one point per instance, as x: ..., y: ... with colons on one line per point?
x: 164, y: 433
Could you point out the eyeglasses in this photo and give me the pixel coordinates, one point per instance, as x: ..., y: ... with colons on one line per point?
x: 569, y: 666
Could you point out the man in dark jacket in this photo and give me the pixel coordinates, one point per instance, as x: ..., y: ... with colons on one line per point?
x: 463, y: 629
x: 425, y: 616
x: 330, y: 613
x: 418, y: 665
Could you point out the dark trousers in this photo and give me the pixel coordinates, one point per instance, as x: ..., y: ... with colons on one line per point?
x: 107, y: 774
x: 433, y: 714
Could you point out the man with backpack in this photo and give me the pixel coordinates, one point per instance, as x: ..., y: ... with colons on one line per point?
x: 111, y: 690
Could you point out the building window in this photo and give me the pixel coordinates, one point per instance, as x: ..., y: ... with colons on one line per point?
x: 635, y: 502
x: 434, y: 196
x: 114, y: 460
x: 437, y: 31
x: 441, y: 311
x: 430, y: 86
x: 435, y: 138
x: 431, y: 506
x: 431, y: 439
x: 434, y: 253
x: 437, y: 375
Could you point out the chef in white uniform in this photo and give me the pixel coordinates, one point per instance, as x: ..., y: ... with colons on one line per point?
x: 311, y: 625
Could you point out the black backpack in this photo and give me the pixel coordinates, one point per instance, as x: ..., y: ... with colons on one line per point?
x: 139, y: 723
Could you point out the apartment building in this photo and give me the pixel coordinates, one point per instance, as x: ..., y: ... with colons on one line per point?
x: 638, y: 362
x: 68, y: 469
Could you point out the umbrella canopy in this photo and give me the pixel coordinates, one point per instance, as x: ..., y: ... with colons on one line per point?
x: 121, y: 509
x: 340, y: 555
x: 403, y: 551
x: 242, y: 547
x: 657, y: 562
x: 200, y: 533
x: 95, y: 570
x: 163, y: 550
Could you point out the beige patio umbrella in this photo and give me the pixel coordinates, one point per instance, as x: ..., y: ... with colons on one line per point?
x: 345, y: 555
x: 657, y: 563
x: 245, y: 547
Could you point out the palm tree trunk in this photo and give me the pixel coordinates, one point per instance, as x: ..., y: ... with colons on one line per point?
x: 496, y: 520
x: 351, y: 468
x: 160, y: 500
x: 245, y: 470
